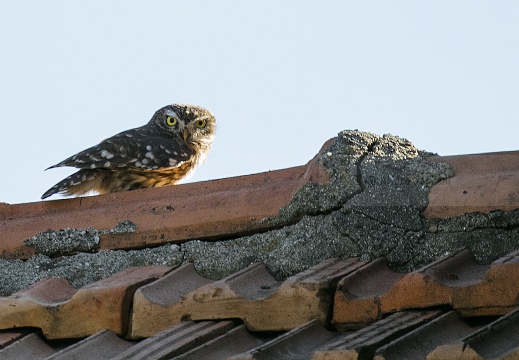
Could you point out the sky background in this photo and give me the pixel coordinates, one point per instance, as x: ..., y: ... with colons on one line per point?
x: 281, y: 77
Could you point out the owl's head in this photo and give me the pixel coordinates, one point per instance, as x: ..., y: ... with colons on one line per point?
x: 192, y: 124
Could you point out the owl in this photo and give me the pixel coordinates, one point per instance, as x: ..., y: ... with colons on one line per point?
x: 160, y: 153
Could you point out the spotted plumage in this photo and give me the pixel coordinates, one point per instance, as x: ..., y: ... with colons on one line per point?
x: 160, y: 153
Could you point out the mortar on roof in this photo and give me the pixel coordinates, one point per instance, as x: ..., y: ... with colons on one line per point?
x: 370, y: 207
x: 72, y: 240
x: 83, y: 268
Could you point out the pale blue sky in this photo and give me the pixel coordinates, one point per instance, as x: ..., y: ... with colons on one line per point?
x: 282, y: 77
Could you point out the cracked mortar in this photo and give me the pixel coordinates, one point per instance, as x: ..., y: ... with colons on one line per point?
x: 370, y: 207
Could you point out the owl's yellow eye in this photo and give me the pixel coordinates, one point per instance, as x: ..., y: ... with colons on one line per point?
x: 171, y: 121
x: 200, y: 124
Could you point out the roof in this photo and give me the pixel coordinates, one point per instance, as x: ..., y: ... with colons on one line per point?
x: 373, y: 249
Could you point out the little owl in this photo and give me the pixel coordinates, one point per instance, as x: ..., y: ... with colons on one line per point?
x: 160, y: 153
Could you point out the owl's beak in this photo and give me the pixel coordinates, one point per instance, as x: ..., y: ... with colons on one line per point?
x: 185, y: 135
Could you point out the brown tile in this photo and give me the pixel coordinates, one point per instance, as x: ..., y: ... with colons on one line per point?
x: 456, y: 352
x: 7, y: 337
x: 496, y: 293
x: 252, y: 294
x: 29, y: 347
x: 363, y: 343
x: 457, y: 280
x: 171, y: 288
x: 48, y: 290
x: 356, y: 300
x: 299, y: 343
x: 203, y: 210
x: 235, y: 341
x: 176, y: 340
x: 447, y: 329
x: 313, y: 340
x: 103, y: 345
x: 63, y: 312
x: 498, y: 339
x: 482, y: 182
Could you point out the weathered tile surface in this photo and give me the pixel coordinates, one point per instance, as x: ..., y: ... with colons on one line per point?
x: 102, y: 345
x: 252, y: 295
x: 364, y: 342
x: 235, y: 341
x: 498, y: 339
x: 456, y: 280
x: 298, y: 343
x: 173, y: 213
x: 29, y: 347
x: 63, y: 312
x: 482, y: 182
x: 380, y: 312
x: 7, y: 337
x: 176, y: 340
x: 447, y: 329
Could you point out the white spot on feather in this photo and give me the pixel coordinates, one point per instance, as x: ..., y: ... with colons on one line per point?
x: 92, y: 157
x: 149, y: 155
x: 107, y: 154
x: 172, y: 162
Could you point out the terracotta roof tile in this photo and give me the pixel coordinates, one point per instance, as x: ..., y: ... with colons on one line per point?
x: 176, y: 340
x: 482, y: 182
x: 364, y: 342
x: 7, y: 337
x: 389, y: 338
x: 455, y: 280
x: 230, y: 206
x: 299, y: 343
x: 312, y: 340
x: 102, y: 345
x: 263, y: 303
x: 29, y: 347
x: 156, y: 312
x: 447, y: 329
x: 235, y: 341
x: 55, y: 307
x: 498, y: 339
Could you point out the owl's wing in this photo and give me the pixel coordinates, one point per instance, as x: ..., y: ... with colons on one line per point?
x: 139, y: 148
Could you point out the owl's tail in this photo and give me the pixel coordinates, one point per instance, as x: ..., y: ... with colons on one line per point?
x: 78, y: 183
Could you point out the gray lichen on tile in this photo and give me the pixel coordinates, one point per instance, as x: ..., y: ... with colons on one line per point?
x: 370, y: 207
x: 311, y: 240
x: 65, y: 241
x: 369, y: 173
x: 72, y: 240
x: 83, y: 268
